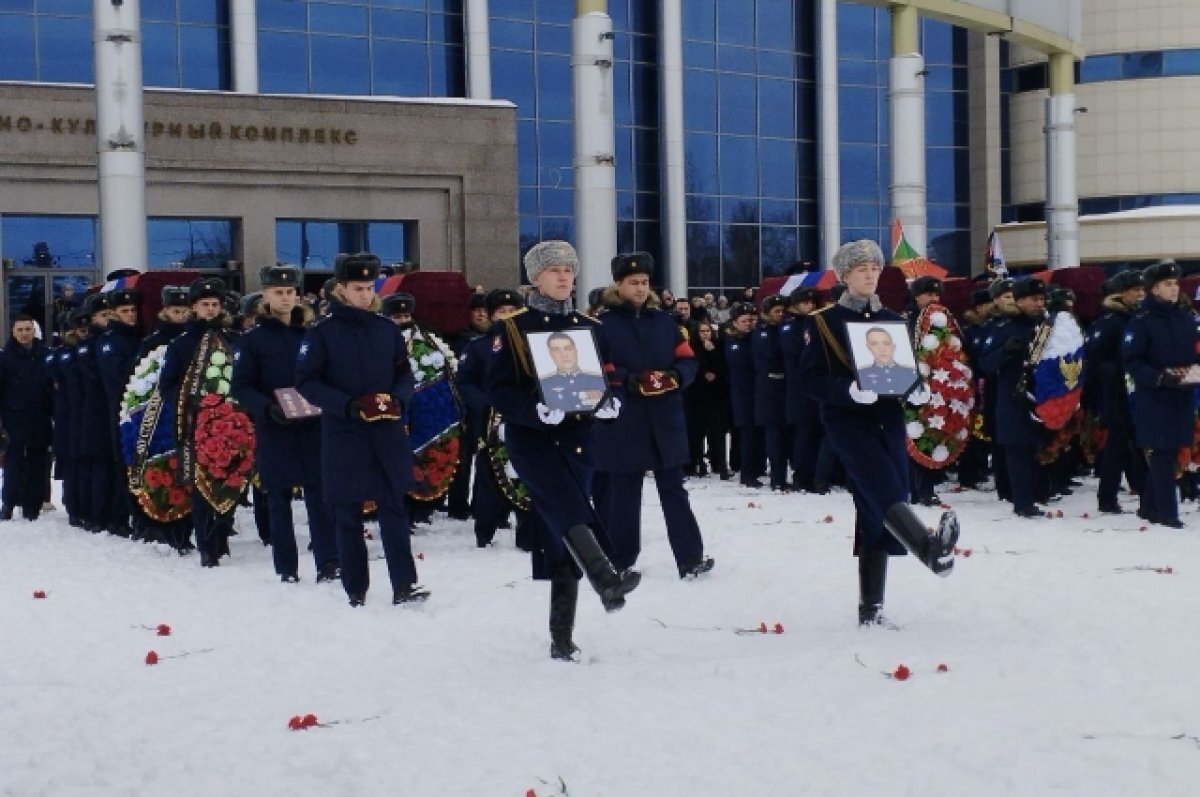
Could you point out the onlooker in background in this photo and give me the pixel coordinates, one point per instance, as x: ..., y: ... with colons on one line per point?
x: 25, y: 407
x: 719, y: 312
x: 708, y: 403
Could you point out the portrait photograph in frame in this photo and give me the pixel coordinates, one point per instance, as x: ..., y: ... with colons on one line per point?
x: 567, y: 362
x: 884, y: 361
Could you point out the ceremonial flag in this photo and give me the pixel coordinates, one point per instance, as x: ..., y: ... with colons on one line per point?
x: 993, y: 259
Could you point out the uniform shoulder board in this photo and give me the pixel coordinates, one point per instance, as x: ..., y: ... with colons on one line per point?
x: 587, y: 317
x: 823, y: 309
x: 318, y: 322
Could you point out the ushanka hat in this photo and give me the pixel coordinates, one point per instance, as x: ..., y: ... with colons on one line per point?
x: 280, y: 276
x: 398, y: 303
x: 206, y: 288
x: 502, y: 297
x: 627, y: 265
x: 1163, y: 270
x: 550, y: 253
x: 363, y: 267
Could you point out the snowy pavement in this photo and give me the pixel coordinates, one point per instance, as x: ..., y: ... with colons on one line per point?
x: 1070, y: 647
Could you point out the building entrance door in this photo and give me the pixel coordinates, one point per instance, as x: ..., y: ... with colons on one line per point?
x: 43, y: 295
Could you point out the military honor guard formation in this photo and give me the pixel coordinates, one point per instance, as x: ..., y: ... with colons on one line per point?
x: 546, y: 419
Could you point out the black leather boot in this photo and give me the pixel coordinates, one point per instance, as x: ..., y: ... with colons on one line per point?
x: 872, y: 579
x: 564, y: 595
x: 934, y: 549
x: 611, y: 586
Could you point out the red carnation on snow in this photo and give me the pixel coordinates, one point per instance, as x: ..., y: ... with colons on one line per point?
x: 39, y: 594
x: 901, y: 673
x: 151, y: 658
x: 163, y: 629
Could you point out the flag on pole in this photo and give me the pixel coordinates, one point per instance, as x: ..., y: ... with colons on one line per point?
x: 908, y: 260
x: 993, y: 259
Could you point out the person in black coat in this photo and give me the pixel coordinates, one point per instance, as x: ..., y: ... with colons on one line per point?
x: 867, y: 433
x: 172, y: 320
x: 1102, y: 352
x: 26, y: 410
x: 801, y: 412
x: 288, y: 449
x: 652, y: 360
x: 488, y: 507
x: 1006, y: 351
x: 770, y: 391
x: 551, y: 450
x: 739, y: 356
x: 354, y: 365
x: 1158, y: 348
x: 709, y: 399
x: 77, y: 477
x: 116, y: 354
x: 973, y: 464
x: 56, y: 360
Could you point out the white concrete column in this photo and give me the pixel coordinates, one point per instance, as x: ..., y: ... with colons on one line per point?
x: 595, y: 144
x: 906, y: 95
x: 1062, y: 192
x: 674, y: 189
x: 830, y: 197
x: 479, y: 50
x: 243, y: 36
x: 120, y: 138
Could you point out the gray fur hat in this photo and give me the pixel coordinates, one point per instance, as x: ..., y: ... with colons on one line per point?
x: 855, y: 252
x: 550, y: 253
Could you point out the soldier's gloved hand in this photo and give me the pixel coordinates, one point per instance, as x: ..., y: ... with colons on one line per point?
x: 1169, y: 378
x: 354, y: 409
x: 609, y: 409
x: 500, y: 432
x: 1014, y: 346
x: 920, y: 396
x: 275, y: 412
x: 863, y: 396
x: 548, y: 416
x: 3, y: 441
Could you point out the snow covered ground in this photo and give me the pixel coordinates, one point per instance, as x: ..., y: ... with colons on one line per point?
x: 1070, y: 669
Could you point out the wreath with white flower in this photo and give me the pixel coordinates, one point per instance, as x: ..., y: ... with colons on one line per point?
x: 434, y: 416
x: 938, y: 431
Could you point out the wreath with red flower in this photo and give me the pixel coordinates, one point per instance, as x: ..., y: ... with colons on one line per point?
x: 224, y: 440
x: 1061, y: 439
x: 162, y: 497
x: 938, y: 430
x: 1189, y: 458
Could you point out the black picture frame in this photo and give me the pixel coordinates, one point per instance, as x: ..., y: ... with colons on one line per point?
x: 579, y: 389
x: 887, y: 373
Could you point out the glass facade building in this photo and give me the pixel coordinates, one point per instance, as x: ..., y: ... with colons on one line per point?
x: 750, y: 115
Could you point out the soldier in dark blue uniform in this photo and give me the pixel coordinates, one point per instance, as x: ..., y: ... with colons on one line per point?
x: 206, y: 297
x: 488, y: 506
x: 172, y: 319
x: 1102, y: 351
x: 739, y: 356
x: 800, y: 411
x: 1005, y: 354
x: 57, y: 359
x: 26, y: 410
x: 77, y: 478
x: 551, y: 450
x: 652, y: 359
x: 770, y: 391
x: 116, y: 354
x: 867, y: 433
x: 96, y: 445
x: 973, y: 464
x: 354, y: 366
x: 458, y: 497
x: 288, y: 449
x: 1158, y: 348
x: 1004, y: 308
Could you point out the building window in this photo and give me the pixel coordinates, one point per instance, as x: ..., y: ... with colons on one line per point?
x: 190, y: 243
x: 313, y: 244
x: 48, y: 241
x: 410, y: 48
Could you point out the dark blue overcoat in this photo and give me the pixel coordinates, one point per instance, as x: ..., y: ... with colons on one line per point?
x: 25, y: 399
x: 346, y: 355
x: 116, y: 354
x: 1015, y: 425
x: 739, y: 356
x: 95, y: 442
x: 799, y: 409
x: 1160, y: 336
x: 470, y: 379
x: 770, y: 388
x: 289, y: 454
x: 651, y: 431
x: 1102, y: 352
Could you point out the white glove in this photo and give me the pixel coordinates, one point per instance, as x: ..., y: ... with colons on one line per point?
x: 550, y: 417
x: 609, y: 409
x: 500, y: 432
x: 920, y: 396
x: 863, y: 396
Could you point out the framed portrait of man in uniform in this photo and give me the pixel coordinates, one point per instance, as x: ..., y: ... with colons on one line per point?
x: 567, y: 362
x: 884, y: 361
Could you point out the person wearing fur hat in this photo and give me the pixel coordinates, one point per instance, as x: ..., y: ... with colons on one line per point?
x: 652, y: 359
x: 1006, y: 351
x: 1157, y: 351
x: 973, y: 464
x: 747, y: 444
x: 458, y: 497
x: 95, y: 450
x: 288, y: 451
x: 770, y: 390
x: 867, y: 431
x: 116, y: 353
x: 552, y: 450
x: 1123, y: 295
x: 354, y: 365
x: 801, y: 412
x: 180, y: 383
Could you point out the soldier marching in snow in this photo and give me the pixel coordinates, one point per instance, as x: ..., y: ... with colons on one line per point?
x: 867, y: 432
x: 552, y: 450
